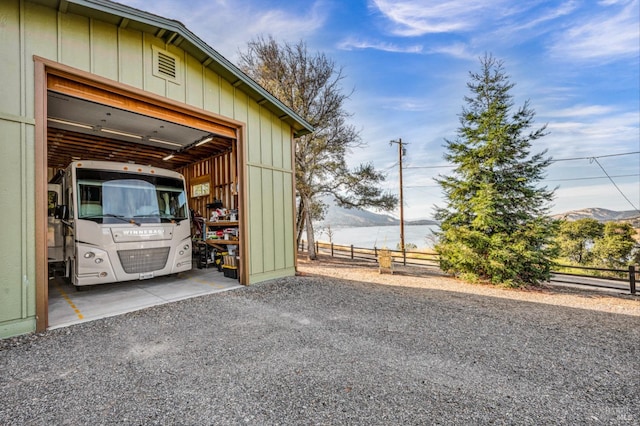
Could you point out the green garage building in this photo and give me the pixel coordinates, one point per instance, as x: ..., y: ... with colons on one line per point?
x: 69, y: 65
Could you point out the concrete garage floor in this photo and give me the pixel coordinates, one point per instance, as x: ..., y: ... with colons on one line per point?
x: 68, y: 306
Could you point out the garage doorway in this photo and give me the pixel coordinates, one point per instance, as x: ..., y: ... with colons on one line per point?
x: 86, y: 117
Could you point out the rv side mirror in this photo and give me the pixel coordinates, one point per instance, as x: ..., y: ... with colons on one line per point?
x: 62, y: 212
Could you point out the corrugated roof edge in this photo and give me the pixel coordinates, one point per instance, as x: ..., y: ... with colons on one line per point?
x: 260, y: 94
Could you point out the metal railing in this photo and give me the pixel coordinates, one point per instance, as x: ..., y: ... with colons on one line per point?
x: 431, y: 260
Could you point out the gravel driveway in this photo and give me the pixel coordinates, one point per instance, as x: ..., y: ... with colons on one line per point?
x: 325, y: 350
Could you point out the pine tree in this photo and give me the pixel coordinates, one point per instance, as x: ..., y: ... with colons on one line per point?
x: 494, y: 226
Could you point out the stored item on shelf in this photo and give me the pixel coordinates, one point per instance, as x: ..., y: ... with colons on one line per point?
x: 233, y: 232
x: 230, y: 260
x: 230, y: 271
x: 217, y: 204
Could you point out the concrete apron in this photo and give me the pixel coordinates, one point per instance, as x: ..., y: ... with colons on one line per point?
x: 68, y: 306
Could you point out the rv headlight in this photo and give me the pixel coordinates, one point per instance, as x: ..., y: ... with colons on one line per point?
x: 99, y: 260
x: 181, y: 252
x: 186, y: 247
x: 89, y: 255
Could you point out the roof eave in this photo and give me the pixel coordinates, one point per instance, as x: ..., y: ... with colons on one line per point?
x: 176, y: 33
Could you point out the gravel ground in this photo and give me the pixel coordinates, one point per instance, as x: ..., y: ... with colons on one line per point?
x: 338, y: 344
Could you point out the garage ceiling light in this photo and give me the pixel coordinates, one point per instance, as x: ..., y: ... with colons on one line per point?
x: 205, y: 140
x: 119, y: 133
x: 168, y: 157
x: 164, y: 142
x: 69, y: 123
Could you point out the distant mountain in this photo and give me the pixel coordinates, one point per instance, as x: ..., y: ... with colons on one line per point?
x: 601, y: 215
x: 339, y: 216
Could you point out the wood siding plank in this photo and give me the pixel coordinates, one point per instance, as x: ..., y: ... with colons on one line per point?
x: 10, y: 44
x: 130, y: 57
x: 268, y: 217
x: 75, y: 49
x: 255, y: 208
x: 104, y: 50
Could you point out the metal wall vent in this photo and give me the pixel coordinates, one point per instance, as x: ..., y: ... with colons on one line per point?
x: 166, y: 65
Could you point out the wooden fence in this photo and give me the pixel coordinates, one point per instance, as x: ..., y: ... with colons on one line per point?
x: 431, y: 260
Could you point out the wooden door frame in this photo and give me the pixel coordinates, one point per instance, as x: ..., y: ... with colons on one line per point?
x: 102, y: 90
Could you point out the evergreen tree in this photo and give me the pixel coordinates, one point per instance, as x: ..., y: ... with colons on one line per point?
x: 494, y: 226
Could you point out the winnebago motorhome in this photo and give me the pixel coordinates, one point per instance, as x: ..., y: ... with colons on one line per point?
x: 123, y: 222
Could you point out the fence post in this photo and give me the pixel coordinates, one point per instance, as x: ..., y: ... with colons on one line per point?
x: 331, y: 249
x: 351, y: 251
x: 317, y: 247
x: 375, y: 251
x: 632, y: 279
x: 404, y: 257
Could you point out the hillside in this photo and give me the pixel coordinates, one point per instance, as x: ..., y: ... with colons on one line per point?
x: 338, y: 216
x: 602, y: 215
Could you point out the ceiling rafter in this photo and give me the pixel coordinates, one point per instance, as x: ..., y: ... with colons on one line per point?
x: 64, y: 146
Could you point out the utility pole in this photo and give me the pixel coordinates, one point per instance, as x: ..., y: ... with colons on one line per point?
x: 401, y: 153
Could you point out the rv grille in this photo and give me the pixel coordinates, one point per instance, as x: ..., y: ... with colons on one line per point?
x: 143, y: 260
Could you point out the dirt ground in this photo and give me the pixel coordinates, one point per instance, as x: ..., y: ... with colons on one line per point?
x: 431, y: 278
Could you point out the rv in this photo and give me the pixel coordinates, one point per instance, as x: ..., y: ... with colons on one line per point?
x: 120, y: 222
x: 55, y: 235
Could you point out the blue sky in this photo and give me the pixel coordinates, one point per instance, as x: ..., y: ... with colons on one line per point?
x: 408, y: 62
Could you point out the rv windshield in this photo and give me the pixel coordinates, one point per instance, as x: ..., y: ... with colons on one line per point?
x: 113, y: 197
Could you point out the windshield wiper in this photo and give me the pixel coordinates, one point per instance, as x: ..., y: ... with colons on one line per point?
x: 119, y: 216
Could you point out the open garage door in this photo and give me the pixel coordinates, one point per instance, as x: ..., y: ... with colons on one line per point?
x: 88, y: 118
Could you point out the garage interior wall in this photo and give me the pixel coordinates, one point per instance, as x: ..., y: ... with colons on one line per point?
x: 124, y: 56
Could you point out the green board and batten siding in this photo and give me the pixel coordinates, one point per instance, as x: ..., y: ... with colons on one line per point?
x: 124, y: 53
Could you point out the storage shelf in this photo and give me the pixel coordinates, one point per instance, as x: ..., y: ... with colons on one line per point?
x: 222, y: 223
x: 220, y: 243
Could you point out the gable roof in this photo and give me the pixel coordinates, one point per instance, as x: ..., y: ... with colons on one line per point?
x: 175, y: 33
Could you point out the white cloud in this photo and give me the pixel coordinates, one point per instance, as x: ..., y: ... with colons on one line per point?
x: 411, y: 18
x: 549, y: 15
x: 408, y: 104
x: 582, y: 111
x: 216, y: 22
x: 611, y: 34
x: 351, y: 44
x: 592, y: 135
x: 286, y: 25
x: 414, y: 17
x: 455, y: 50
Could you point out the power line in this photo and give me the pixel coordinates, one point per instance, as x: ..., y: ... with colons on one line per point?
x: 591, y: 160
x: 390, y: 167
x: 545, y: 180
x: 588, y: 178
x: 444, y: 166
x: 598, y: 156
x: 429, y: 167
x: 614, y: 184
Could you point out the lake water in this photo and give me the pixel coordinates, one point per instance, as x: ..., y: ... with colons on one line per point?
x: 379, y: 236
